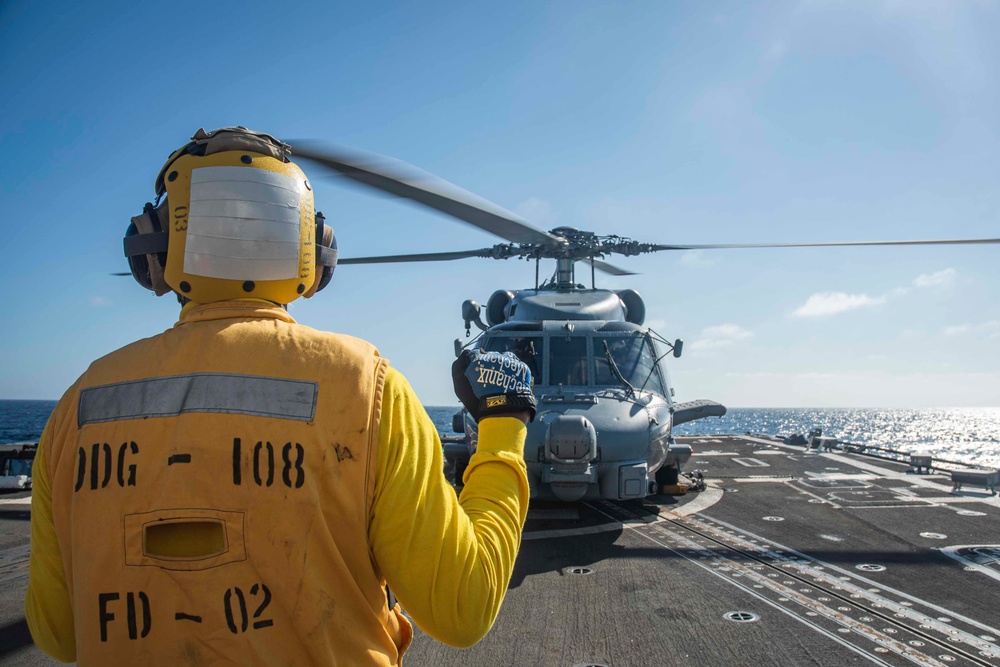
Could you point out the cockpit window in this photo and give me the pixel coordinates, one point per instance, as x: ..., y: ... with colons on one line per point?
x: 568, y: 361
x: 634, y: 359
x: 529, y: 349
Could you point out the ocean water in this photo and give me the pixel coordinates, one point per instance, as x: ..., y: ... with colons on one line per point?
x: 971, y: 435
x: 23, y: 421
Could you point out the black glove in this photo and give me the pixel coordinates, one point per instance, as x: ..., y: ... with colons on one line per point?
x: 491, y: 384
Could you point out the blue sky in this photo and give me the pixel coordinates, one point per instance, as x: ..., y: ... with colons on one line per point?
x: 666, y: 122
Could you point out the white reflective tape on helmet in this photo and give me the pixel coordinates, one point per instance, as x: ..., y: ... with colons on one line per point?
x: 243, y: 224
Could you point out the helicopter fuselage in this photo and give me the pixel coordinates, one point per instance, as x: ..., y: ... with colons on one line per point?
x: 603, y: 425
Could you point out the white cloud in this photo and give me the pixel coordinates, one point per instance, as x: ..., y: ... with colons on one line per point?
x: 989, y: 329
x: 720, y: 335
x: 733, y: 331
x: 696, y: 259
x: 100, y: 301
x: 536, y: 211
x: 912, y: 333
x: 937, y: 279
x: 824, y: 304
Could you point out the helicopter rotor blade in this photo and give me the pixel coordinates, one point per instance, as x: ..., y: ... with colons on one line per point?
x: 404, y: 180
x: 719, y: 246
x: 420, y: 257
x: 610, y: 269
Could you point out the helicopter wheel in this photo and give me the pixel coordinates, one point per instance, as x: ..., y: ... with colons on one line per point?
x: 667, y: 476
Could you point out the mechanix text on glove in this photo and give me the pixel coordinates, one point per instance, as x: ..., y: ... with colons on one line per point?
x: 493, y: 383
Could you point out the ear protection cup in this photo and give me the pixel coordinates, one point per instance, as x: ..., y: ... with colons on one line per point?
x: 146, y: 248
x: 138, y: 264
x: 326, y: 255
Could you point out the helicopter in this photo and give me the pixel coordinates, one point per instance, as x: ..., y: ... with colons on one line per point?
x: 605, y: 406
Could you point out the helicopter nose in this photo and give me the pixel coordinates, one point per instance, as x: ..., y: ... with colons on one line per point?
x: 570, y: 449
x: 571, y: 439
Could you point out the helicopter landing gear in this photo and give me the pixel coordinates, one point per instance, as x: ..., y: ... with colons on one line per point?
x: 461, y: 463
x: 668, y: 481
x: 667, y: 476
x: 456, y: 458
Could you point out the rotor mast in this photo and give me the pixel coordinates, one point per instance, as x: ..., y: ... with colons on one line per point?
x: 565, y: 275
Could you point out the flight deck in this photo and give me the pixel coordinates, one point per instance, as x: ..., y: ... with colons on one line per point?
x: 789, y: 556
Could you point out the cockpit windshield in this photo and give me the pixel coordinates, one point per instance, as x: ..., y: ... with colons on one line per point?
x: 634, y: 358
x: 581, y: 360
x: 568, y: 363
x: 529, y: 349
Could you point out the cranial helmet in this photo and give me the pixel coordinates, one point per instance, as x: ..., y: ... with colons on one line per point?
x: 236, y: 220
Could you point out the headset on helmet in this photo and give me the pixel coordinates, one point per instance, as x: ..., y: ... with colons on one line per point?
x: 236, y: 220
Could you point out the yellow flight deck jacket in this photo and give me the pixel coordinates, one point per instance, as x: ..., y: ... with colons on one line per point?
x: 239, y: 489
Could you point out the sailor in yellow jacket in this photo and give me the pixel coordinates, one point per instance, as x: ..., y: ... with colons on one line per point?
x: 240, y: 488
